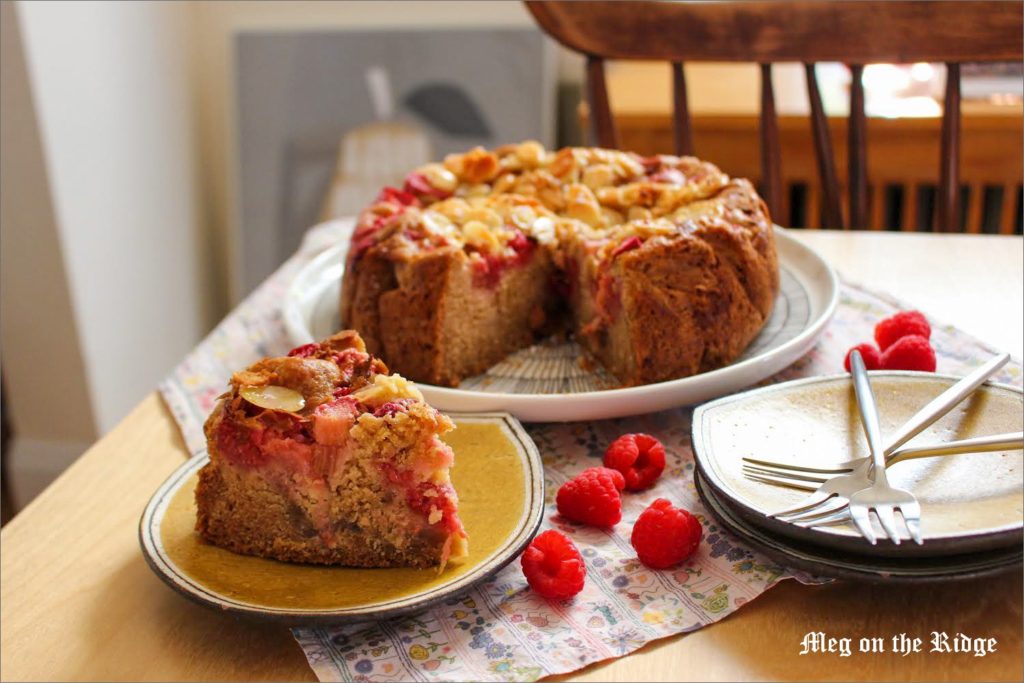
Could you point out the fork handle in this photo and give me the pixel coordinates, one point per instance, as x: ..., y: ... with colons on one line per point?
x: 868, y: 414
x: 980, y: 444
x: 944, y: 402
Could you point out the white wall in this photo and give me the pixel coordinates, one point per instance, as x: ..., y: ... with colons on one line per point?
x: 113, y: 96
x: 38, y: 336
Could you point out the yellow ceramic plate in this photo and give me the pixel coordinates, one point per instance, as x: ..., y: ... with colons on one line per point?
x: 969, y: 503
x: 500, y: 481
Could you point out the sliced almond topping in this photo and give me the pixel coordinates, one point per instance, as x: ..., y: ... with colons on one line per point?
x: 523, y: 217
x: 531, y: 153
x: 435, y: 515
x: 598, y: 176
x: 440, y: 177
x: 274, y: 398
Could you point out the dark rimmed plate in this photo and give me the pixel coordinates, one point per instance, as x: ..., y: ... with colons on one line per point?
x: 969, y: 503
x: 500, y: 480
x: 827, y: 562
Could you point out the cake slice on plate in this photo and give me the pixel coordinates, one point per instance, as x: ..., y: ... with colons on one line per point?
x: 323, y: 457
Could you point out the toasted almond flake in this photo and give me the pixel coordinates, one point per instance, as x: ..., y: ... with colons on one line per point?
x: 274, y: 397
x: 531, y: 153
x: 598, y: 176
x: 387, y: 388
x: 523, y: 217
x: 440, y: 177
x: 435, y: 515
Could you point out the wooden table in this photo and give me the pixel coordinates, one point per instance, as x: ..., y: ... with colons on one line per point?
x: 77, y: 601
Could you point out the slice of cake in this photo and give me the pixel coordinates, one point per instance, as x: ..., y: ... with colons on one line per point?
x: 323, y: 457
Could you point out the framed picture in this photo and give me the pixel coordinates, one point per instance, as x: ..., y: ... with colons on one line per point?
x: 327, y: 118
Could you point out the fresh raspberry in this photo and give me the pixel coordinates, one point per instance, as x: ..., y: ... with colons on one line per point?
x: 553, y: 566
x: 869, y: 353
x: 903, y: 324
x: 910, y: 353
x: 592, y: 497
x: 664, y: 535
x: 639, y: 457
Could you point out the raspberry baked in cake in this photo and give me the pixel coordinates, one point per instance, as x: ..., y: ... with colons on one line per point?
x: 661, y: 267
x: 323, y: 457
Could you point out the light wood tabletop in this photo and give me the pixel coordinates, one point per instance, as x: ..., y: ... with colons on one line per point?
x: 77, y: 600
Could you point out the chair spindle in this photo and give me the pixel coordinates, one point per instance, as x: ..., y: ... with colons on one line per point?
x: 603, y: 124
x: 947, y: 214
x: 1008, y: 209
x: 975, y: 208
x: 857, y: 151
x: 908, y: 216
x: 876, y: 200
x: 681, y: 126
x: 771, y: 154
x: 823, y: 152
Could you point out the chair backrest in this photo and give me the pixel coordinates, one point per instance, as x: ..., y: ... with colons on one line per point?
x: 855, y: 33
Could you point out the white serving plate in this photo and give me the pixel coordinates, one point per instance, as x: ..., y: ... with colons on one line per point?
x: 545, y: 383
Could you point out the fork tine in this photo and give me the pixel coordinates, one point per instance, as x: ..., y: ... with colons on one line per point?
x: 913, y: 526
x: 763, y: 471
x: 796, y: 468
x: 834, y: 503
x: 863, y: 522
x: 841, y: 514
x: 779, y: 481
x: 809, y: 504
x: 888, y: 521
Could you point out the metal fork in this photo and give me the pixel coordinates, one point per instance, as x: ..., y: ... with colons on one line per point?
x: 881, y: 498
x: 834, y: 493
x: 976, y: 444
x: 809, y: 478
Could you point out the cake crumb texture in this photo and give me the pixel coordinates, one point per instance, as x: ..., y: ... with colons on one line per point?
x: 358, y: 477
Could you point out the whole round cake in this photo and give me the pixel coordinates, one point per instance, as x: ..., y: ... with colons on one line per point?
x: 661, y: 267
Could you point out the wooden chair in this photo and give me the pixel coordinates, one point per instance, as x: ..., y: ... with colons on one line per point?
x: 855, y: 33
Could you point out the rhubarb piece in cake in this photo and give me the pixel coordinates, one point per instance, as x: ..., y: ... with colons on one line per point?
x: 323, y: 457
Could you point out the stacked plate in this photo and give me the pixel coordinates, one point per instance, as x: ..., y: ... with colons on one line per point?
x: 972, y: 509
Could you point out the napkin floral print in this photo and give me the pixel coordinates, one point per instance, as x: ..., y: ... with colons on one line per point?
x: 501, y: 630
x: 504, y: 631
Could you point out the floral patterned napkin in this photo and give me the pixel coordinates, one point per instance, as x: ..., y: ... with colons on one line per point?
x: 501, y: 630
